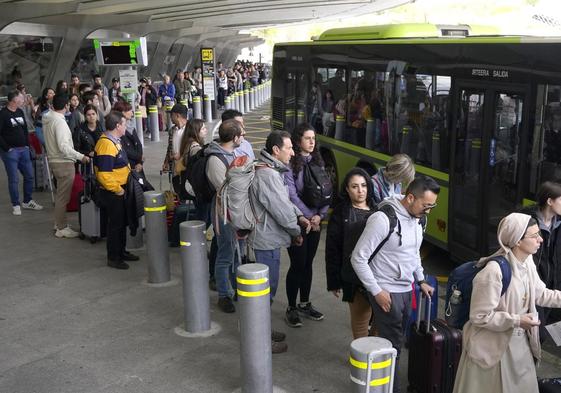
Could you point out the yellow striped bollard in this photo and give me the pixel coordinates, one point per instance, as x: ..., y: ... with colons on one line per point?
x: 253, y: 291
x: 154, y: 124
x: 156, y: 237
x: 372, y: 362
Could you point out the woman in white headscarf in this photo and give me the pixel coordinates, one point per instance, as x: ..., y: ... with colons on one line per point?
x: 501, y: 338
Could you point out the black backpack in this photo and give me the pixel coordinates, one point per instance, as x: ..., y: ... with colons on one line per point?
x: 318, y: 190
x: 354, y: 231
x: 195, y: 173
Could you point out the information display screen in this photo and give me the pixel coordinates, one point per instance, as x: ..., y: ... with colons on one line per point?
x: 121, y: 52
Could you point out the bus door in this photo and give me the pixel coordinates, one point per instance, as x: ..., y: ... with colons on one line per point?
x: 295, y: 97
x: 490, y: 122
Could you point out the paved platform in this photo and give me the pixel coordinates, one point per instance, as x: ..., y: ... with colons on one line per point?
x: 70, y: 324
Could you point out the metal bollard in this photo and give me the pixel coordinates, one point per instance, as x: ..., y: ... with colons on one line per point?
x: 339, y: 127
x: 196, y: 300
x: 289, y: 119
x: 156, y: 237
x: 227, y: 102
x: 139, y: 128
x: 234, y: 101
x: 300, y: 117
x: 255, y: 328
x: 242, y: 102
x: 197, y: 110
x: 207, y: 108
x: 167, y: 115
x: 251, y: 95
x: 154, y: 125
x: 184, y: 102
x: 246, y: 100
x: 239, y: 100
x: 259, y: 88
x: 370, y: 133
x: 372, y: 365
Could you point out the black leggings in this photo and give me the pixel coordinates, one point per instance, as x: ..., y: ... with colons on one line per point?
x: 299, y: 276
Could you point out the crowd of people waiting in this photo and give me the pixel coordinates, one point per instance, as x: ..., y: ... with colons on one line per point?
x: 374, y: 273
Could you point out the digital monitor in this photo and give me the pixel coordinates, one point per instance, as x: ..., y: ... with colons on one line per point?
x: 122, y: 51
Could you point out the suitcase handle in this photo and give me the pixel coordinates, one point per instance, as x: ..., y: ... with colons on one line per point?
x: 426, y: 301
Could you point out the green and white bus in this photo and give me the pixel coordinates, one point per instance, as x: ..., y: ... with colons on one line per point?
x: 479, y: 112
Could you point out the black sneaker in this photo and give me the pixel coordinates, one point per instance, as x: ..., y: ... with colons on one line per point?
x: 225, y: 304
x: 277, y: 347
x: 117, y: 264
x: 127, y: 256
x: 292, y: 318
x: 308, y: 311
x: 277, y: 336
x: 212, y: 284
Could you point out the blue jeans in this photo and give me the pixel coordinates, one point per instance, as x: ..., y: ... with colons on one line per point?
x: 271, y: 258
x: 226, y: 260
x: 18, y: 158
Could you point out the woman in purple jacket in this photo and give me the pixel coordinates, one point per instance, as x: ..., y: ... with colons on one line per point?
x: 299, y: 276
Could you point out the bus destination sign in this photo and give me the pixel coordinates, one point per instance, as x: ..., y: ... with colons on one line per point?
x: 486, y: 73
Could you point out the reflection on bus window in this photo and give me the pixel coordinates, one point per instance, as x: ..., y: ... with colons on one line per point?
x: 419, y: 118
x: 550, y: 168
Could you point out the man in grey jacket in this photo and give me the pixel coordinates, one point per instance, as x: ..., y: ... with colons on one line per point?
x: 388, y: 276
x: 221, y: 154
x: 280, y: 222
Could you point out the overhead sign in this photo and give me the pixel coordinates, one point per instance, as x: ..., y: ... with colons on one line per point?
x: 129, y: 81
x: 207, y: 64
x: 207, y: 54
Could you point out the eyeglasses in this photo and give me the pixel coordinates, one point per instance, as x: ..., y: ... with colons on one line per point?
x: 533, y: 236
x: 430, y: 206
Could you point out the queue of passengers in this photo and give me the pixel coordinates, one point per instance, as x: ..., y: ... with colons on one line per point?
x: 502, y: 337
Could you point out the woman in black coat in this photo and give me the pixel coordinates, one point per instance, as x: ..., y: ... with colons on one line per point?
x: 87, y: 135
x: 547, y: 212
x: 355, y: 206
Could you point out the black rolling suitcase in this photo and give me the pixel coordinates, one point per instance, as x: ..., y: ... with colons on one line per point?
x: 549, y: 385
x: 434, y: 352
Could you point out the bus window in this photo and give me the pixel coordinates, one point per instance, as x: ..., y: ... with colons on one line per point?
x: 420, y: 117
x: 546, y: 160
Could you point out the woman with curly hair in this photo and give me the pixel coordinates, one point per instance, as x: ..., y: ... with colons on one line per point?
x: 299, y: 276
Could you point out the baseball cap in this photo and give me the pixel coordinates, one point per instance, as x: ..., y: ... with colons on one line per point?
x: 115, y: 80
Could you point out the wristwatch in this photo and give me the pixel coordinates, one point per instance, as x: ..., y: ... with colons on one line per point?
x: 423, y: 282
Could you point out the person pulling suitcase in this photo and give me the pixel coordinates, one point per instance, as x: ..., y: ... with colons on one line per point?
x: 390, y: 297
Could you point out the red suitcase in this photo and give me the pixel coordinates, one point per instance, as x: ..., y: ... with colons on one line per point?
x: 434, y: 353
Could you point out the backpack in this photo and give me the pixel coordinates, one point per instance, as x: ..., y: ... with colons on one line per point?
x: 354, y: 231
x: 318, y: 190
x: 195, y: 173
x: 234, y: 200
x: 460, y: 287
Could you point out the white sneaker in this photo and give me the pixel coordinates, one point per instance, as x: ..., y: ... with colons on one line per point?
x: 32, y: 205
x: 16, y: 210
x: 66, y: 232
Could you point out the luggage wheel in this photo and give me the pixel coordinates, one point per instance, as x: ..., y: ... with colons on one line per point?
x: 93, y: 240
x: 81, y: 236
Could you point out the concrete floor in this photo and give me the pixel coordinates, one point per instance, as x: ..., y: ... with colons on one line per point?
x: 68, y: 323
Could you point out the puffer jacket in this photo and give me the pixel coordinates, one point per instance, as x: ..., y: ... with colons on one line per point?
x: 277, y: 216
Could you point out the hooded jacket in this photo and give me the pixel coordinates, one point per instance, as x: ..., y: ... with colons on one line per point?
x: 277, y: 217
x: 215, y: 167
x: 398, y: 263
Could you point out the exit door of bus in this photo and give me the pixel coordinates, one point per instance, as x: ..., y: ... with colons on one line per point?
x: 489, y: 125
